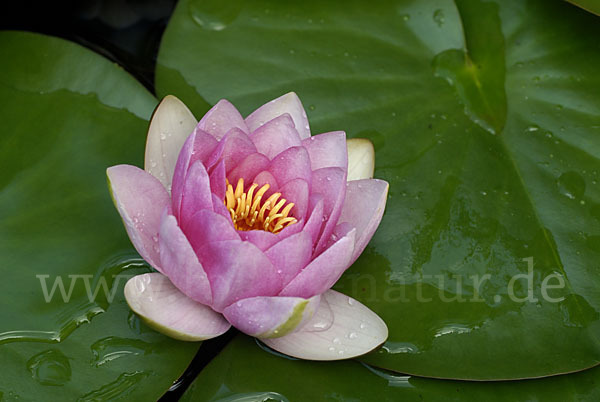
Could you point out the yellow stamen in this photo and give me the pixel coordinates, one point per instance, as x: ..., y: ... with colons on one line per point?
x: 248, y: 212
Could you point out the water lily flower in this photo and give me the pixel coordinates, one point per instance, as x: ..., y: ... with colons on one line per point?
x: 250, y: 222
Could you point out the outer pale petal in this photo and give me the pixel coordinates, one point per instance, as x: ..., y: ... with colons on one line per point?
x: 222, y: 118
x: 140, y: 199
x: 271, y: 317
x: 363, y: 209
x: 171, y: 123
x: 361, y: 159
x: 237, y: 270
x: 154, y: 298
x: 324, y: 271
x: 180, y: 263
x: 327, y: 150
x: 288, y: 103
x: 355, y: 330
x: 276, y: 136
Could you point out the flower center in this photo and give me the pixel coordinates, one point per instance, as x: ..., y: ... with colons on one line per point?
x: 249, y: 212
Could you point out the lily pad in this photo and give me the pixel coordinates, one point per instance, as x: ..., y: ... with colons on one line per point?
x: 485, y: 120
x: 67, y: 114
x: 245, y: 372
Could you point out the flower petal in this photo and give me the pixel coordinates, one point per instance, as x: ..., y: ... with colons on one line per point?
x: 331, y: 183
x: 221, y: 119
x: 218, y: 182
x: 207, y: 226
x: 288, y: 103
x: 355, y: 330
x: 196, y: 194
x: 154, y: 298
x: 265, y: 177
x: 361, y: 159
x: 275, y: 136
x: 237, y: 146
x: 363, y: 209
x: 248, y: 169
x: 237, y: 270
x: 293, y: 163
x: 180, y: 263
x: 296, y: 191
x: 327, y: 150
x: 171, y: 124
x: 324, y: 271
x: 264, y: 240
x: 315, y: 220
x: 198, y: 147
x: 140, y: 199
x: 271, y: 317
x: 290, y: 255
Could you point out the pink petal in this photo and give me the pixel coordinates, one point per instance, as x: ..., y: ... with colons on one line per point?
x: 315, y: 221
x: 331, y: 183
x: 327, y: 150
x: 237, y: 146
x: 288, y: 103
x: 264, y: 240
x: 266, y: 177
x: 247, y: 169
x: 181, y: 264
x: 196, y: 194
x: 218, y: 184
x: 221, y: 119
x: 290, y: 255
x: 296, y: 191
x: 293, y: 163
x: 154, y: 298
x: 276, y: 136
x: 351, y: 330
x: 363, y: 209
x: 206, y: 226
x: 198, y: 147
x: 324, y: 271
x: 237, y: 270
x: 140, y: 199
x: 171, y: 124
x: 271, y: 317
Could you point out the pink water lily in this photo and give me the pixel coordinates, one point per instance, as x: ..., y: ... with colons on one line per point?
x: 250, y: 222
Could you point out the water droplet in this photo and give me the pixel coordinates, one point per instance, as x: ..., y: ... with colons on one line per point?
x: 214, y: 15
x: 362, y: 325
x: 163, y: 137
x: 337, y: 341
x: 350, y: 301
x: 439, y: 17
x: 50, y: 368
x: 533, y: 128
x: 483, y: 193
x: 340, y: 352
x: 292, y: 51
x: 405, y: 17
x: 571, y: 185
x: 311, y: 107
x: 279, y: 271
x: 331, y: 349
x: 352, y: 335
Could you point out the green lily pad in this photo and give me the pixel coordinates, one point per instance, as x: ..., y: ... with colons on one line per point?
x: 262, y: 376
x: 67, y: 114
x: 485, y: 120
